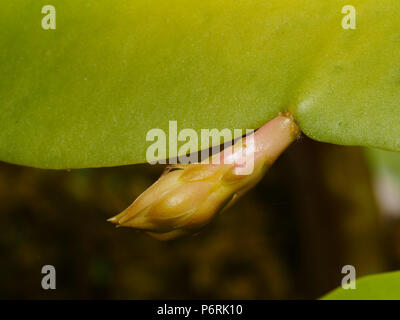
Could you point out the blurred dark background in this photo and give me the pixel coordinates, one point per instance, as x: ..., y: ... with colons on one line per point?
x: 314, y: 212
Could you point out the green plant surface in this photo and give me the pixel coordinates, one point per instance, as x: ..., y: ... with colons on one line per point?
x: 86, y: 94
x: 384, y: 286
x: 384, y: 162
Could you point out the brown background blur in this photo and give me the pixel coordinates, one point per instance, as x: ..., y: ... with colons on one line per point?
x: 314, y: 212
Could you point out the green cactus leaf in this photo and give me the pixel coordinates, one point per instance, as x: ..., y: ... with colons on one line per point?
x: 86, y: 93
x: 384, y: 162
x: 384, y: 286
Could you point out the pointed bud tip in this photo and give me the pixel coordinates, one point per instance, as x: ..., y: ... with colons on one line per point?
x: 114, y: 220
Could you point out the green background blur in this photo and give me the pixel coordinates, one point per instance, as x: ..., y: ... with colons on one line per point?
x: 313, y: 213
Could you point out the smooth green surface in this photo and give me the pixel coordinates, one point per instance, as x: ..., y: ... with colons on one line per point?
x: 384, y: 286
x: 384, y: 162
x: 85, y: 94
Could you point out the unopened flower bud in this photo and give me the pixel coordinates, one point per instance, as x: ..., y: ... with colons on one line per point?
x: 186, y: 197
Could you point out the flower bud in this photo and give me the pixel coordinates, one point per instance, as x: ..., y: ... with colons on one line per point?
x: 186, y: 197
